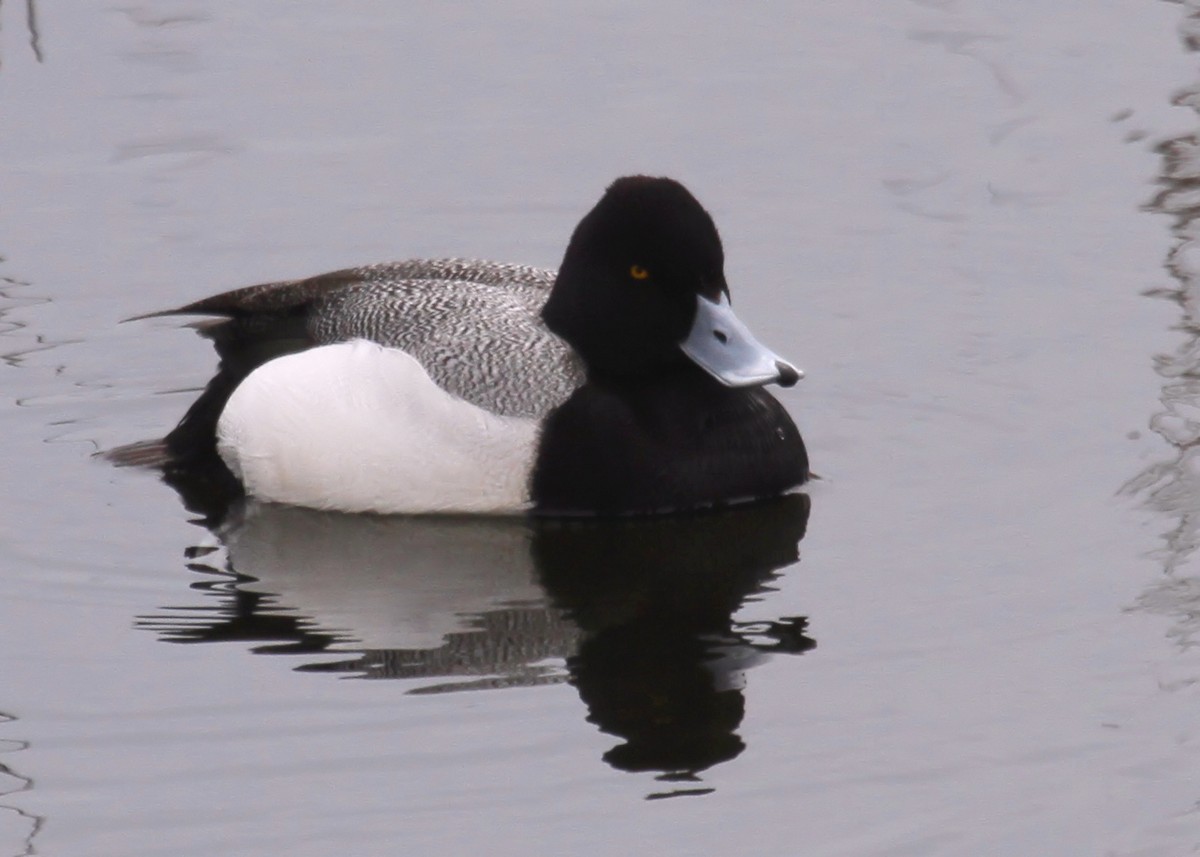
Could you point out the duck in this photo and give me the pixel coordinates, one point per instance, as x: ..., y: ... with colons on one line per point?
x: 620, y: 384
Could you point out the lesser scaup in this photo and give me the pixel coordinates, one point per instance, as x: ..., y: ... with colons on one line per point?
x: 622, y: 385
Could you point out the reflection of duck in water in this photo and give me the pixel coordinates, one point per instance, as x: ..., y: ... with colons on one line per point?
x: 661, y: 661
x: 455, y: 599
x: 640, y: 608
x: 622, y: 384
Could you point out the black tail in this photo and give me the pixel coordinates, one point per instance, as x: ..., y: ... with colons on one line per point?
x: 188, y: 456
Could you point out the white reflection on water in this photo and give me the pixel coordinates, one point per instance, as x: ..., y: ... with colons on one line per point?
x: 636, y: 614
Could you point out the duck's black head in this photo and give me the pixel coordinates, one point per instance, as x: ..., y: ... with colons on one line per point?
x: 642, y: 290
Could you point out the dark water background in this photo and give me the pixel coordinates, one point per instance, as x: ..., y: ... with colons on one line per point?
x: 970, y: 221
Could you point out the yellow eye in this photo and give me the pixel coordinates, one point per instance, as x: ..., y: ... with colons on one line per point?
x: 638, y: 272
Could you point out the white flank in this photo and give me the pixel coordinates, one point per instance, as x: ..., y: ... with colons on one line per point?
x: 357, y: 427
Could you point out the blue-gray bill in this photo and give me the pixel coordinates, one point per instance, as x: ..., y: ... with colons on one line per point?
x: 725, y: 348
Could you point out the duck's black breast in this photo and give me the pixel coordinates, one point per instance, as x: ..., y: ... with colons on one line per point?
x: 672, y: 443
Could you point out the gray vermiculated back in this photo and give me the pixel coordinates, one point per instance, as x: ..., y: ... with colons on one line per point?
x: 460, y: 270
x: 474, y: 326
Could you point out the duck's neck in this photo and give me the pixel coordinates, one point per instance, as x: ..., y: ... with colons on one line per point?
x: 674, y: 440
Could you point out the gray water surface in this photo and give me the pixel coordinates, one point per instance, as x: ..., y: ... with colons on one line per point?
x: 972, y: 223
